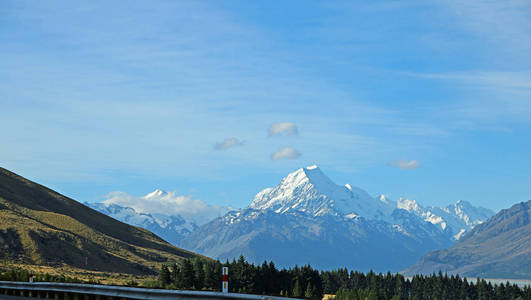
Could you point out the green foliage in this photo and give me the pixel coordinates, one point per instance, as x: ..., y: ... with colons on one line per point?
x: 153, y: 284
x: 244, y: 277
x: 19, y: 274
x: 395, y: 287
x: 305, y: 282
x: 186, y: 278
x: 199, y: 273
x: 164, y: 276
x: 131, y: 283
x: 311, y: 292
x: 290, y: 282
x: 297, y: 289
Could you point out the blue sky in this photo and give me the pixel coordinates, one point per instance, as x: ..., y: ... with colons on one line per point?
x: 426, y: 100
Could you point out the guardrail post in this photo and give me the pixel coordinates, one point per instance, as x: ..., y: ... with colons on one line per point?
x: 225, y: 280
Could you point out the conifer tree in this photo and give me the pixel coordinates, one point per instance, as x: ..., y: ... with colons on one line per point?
x: 187, y: 274
x: 164, y: 275
x: 209, y: 281
x: 199, y: 274
x: 297, y: 289
x: 179, y: 277
x: 308, y: 292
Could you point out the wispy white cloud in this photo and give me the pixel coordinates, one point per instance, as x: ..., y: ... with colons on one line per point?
x: 498, y: 90
x: 168, y: 203
x: 286, y: 128
x: 228, y: 143
x: 286, y: 153
x: 485, y: 78
x: 504, y: 23
x: 404, y: 164
x: 499, y: 96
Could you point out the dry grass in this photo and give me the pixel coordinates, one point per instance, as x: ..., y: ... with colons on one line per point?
x: 106, y: 278
x: 39, y: 227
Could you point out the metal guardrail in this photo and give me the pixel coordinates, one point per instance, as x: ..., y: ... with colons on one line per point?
x: 53, y: 290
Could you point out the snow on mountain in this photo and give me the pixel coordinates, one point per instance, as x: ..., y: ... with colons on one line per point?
x: 166, y: 214
x: 456, y: 218
x: 307, y: 218
x: 171, y: 228
x: 310, y: 191
x: 324, y: 241
x: 169, y: 204
x: 498, y: 248
x: 155, y: 194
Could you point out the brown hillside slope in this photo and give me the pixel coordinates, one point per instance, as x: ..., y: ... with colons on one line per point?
x: 41, y: 227
x: 498, y: 248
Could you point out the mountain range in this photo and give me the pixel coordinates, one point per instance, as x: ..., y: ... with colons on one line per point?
x: 172, y: 228
x: 42, y: 227
x: 163, y: 213
x: 333, y: 225
x: 307, y: 218
x: 497, y: 248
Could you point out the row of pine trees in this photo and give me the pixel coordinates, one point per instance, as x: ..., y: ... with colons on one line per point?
x: 371, y: 286
x: 196, y: 273
x: 306, y: 282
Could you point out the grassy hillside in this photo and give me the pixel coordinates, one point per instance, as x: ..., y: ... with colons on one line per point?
x: 41, y: 227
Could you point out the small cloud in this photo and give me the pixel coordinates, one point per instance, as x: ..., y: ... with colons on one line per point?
x: 404, y: 164
x: 286, y: 153
x: 228, y: 143
x: 286, y: 128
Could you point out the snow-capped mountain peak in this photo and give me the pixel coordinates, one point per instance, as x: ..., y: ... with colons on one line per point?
x: 306, y: 209
x: 309, y: 190
x: 156, y: 194
x: 459, y: 217
x: 386, y: 200
x: 467, y: 213
x: 409, y: 205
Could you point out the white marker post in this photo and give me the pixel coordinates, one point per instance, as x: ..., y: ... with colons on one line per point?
x: 225, y: 280
x: 31, y: 276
